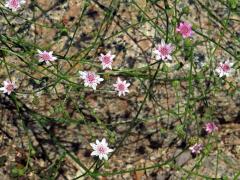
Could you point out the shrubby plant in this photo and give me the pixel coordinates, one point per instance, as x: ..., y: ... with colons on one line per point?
x: 172, y: 66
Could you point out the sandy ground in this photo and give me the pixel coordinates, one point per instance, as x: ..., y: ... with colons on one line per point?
x: 50, y: 121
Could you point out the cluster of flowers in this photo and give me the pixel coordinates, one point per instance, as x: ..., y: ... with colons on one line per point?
x: 209, y: 128
x: 91, y: 79
x: 163, y: 52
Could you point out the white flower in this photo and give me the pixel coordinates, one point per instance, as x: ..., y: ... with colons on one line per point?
x: 224, y: 69
x: 107, y: 60
x: 121, y: 87
x: 8, y: 87
x: 163, y: 51
x: 45, y: 56
x: 196, y: 148
x: 90, y: 79
x: 101, y: 149
x: 14, y: 5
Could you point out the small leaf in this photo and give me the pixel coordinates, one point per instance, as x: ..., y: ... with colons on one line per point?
x: 233, y: 3
x: 17, y: 171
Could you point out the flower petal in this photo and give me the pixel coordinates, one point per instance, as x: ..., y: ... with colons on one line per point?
x: 94, y: 153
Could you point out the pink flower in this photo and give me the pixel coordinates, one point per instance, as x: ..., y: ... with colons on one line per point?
x: 45, y: 56
x: 163, y: 51
x: 101, y: 149
x: 210, y: 127
x: 121, y: 87
x: 14, y: 5
x: 196, y: 148
x: 8, y: 87
x: 185, y: 29
x: 224, y: 69
x: 107, y: 60
x: 90, y: 79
